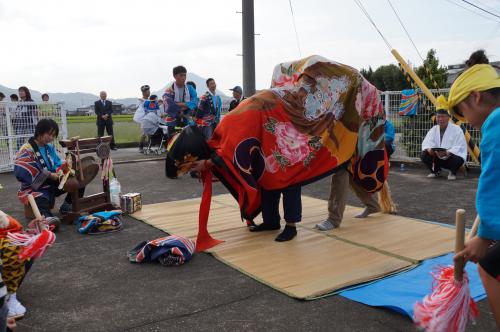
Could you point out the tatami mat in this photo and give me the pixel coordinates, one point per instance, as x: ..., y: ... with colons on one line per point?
x: 315, y: 263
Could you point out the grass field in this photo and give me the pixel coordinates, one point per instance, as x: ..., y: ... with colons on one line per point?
x: 125, y: 129
x: 83, y: 118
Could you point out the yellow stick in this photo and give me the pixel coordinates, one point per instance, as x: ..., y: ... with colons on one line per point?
x: 415, y: 77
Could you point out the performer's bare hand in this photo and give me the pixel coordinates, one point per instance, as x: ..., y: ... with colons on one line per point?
x: 54, y: 176
x: 474, y: 250
x: 431, y: 152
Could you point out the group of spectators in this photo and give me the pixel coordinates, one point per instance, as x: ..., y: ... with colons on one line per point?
x: 25, y: 114
x: 180, y: 106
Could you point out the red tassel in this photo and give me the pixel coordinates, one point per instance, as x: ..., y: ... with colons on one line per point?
x: 449, y: 307
x: 34, y: 246
x: 204, y: 240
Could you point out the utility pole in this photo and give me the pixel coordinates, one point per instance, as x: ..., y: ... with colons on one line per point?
x: 248, y: 48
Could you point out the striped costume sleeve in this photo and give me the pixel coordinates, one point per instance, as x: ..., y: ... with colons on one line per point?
x: 28, y: 170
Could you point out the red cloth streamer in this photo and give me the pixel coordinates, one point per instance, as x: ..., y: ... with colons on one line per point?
x: 449, y: 307
x: 34, y: 246
x: 204, y: 240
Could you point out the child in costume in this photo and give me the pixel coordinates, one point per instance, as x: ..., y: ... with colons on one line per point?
x: 318, y: 116
x: 14, y: 269
x: 475, y: 96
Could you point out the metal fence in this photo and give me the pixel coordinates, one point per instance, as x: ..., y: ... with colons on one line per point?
x: 17, y: 124
x: 410, y: 131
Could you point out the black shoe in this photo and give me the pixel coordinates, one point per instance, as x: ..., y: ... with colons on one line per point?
x: 264, y: 227
x: 288, y: 233
x: 114, y: 148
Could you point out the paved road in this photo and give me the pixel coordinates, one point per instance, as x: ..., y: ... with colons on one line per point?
x: 85, y: 283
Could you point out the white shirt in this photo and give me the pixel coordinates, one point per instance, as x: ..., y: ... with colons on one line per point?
x: 139, y: 112
x: 453, y: 140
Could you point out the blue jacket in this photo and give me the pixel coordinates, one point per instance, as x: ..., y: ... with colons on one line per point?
x: 193, y: 103
x: 390, y: 133
x: 488, y: 190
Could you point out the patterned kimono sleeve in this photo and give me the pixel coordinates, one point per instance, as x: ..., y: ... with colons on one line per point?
x: 369, y: 166
x: 28, y: 170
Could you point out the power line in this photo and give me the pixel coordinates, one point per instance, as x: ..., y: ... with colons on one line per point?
x: 488, y: 7
x: 470, y: 10
x: 406, y: 31
x: 484, y: 10
x: 360, y: 5
x: 295, y: 28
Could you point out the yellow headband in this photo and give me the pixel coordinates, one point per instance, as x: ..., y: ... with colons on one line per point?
x: 477, y: 78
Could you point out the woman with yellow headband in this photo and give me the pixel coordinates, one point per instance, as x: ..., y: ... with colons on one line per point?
x: 475, y: 96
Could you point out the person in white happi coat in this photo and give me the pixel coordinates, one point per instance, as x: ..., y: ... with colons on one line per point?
x: 444, y: 146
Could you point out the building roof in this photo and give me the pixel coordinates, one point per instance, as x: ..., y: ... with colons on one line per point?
x: 455, y: 70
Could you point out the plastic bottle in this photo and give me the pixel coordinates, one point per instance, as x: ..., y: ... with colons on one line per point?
x: 402, y: 167
x: 115, y: 191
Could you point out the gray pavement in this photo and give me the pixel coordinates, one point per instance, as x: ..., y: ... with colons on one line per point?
x: 85, y: 283
x: 132, y: 154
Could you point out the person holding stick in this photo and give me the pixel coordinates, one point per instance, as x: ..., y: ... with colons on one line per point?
x: 36, y: 167
x: 475, y: 97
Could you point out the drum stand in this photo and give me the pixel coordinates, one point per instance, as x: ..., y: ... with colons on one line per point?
x: 96, y: 202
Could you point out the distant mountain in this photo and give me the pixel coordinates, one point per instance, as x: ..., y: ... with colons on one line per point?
x: 74, y: 100
x: 71, y: 100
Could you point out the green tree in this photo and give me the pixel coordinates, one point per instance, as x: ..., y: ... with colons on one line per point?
x: 439, y: 74
x: 368, y: 74
x: 386, y: 78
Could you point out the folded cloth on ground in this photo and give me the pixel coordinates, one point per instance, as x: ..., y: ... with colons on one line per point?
x: 171, y: 250
x: 100, y: 222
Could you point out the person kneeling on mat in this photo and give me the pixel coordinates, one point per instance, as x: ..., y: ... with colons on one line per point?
x: 35, y: 166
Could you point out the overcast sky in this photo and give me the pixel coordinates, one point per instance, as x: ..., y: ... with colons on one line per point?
x: 118, y: 45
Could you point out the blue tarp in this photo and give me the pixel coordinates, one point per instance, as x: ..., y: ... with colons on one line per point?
x: 401, y: 291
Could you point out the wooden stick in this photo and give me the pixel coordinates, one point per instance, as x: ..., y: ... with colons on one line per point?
x: 34, y: 207
x: 65, y: 177
x: 79, y: 160
x: 63, y: 181
x: 473, y: 230
x: 415, y: 77
x: 459, y: 243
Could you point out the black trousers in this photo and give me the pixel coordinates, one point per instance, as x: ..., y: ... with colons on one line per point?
x: 491, y: 261
x: 389, y: 149
x: 109, y: 129
x: 434, y: 164
x: 292, y: 205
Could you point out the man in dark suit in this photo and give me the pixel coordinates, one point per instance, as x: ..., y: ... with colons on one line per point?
x: 104, y: 110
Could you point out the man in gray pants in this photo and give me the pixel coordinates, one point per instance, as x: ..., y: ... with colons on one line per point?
x: 341, y: 180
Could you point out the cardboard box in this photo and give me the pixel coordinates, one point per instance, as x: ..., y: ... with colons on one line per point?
x: 131, y: 202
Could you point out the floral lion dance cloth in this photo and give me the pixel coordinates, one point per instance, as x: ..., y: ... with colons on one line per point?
x: 319, y: 115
